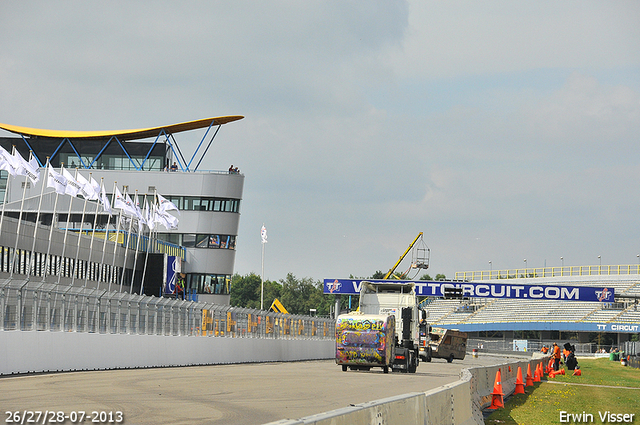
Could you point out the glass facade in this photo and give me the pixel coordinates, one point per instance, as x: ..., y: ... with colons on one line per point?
x: 192, y: 240
x: 198, y: 203
x: 113, y: 162
x: 208, y: 283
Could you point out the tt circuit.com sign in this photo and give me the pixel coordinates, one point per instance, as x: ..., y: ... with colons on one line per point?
x: 482, y: 290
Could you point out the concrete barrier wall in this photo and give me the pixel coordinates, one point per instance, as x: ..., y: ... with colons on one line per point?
x: 33, y: 351
x: 459, y: 403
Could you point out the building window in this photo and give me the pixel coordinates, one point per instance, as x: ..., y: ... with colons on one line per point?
x: 217, y: 284
x: 190, y: 240
x: 195, y: 203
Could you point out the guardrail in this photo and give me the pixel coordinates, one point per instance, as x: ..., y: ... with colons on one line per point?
x: 35, y: 306
x: 613, y: 270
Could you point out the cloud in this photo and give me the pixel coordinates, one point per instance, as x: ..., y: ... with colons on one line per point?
x: 503, y: 131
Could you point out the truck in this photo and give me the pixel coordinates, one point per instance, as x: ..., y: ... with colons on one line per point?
x: 365, y: 342
x: 384, y: 331
x: 443, y: 343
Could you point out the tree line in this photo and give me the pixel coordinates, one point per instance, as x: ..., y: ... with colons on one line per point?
x: 298, y: 295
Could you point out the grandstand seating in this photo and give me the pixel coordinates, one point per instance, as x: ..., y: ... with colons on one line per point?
x: 504, y: 310
x: 630, y: 315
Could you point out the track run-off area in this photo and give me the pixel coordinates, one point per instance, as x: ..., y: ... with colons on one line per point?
x: 250, y: 393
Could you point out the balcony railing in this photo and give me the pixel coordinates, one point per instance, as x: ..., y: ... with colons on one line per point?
x: 597, y: 270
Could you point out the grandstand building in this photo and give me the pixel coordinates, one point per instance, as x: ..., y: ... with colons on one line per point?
x: 549, y: 318
x: 135, y: 162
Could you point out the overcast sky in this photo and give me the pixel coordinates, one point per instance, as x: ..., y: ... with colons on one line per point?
x: 502, y: 130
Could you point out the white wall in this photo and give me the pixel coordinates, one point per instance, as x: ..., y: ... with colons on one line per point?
x: 34, y: 351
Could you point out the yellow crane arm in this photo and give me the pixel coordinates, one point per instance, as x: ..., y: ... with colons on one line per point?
x: 395, y: 266
x: 278, y: 307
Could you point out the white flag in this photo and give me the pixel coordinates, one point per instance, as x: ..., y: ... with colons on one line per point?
x: 29, y: 169
x: 141, y: 220
x: 148, y: 215
x: 56, y: 181
x: 106, y: 205
x: 167, y: 220
x: 5, y: 161
x: 8, y: 162
x: 124, y: 203
x: 87, y: 191
x: 131, y: 209
x: 166, y: 205
x: 73, y: 187
x: 263, y: 233
x: 95, y: 186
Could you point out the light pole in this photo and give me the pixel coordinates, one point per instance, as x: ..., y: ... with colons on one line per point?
x: 562, y: 268
x: 600, y: 266
x: 525, y: 267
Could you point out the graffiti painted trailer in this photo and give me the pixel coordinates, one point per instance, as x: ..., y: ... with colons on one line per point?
x: 388, y: 299
x: 364, y: 341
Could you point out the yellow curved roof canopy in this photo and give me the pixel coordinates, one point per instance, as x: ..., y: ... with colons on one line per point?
x: 141, y: 133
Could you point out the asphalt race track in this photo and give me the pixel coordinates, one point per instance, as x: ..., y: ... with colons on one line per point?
x: 225, y: 394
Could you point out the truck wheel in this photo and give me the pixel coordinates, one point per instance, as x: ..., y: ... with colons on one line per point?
x: 450, y: 358
x: 385, y: 369
x: 413, y: 366
x: 344, y: 367
x: 429, y: 355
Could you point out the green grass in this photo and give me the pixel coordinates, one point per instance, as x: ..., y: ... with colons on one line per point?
x: 543, y: 402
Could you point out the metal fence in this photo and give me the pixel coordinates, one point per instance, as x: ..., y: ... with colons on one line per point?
x: 532, y: 345
x: 598, y: 270
x: 35, y: 306
x: 631, y: 348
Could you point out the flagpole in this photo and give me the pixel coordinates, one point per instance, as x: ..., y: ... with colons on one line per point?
x: 263, y: 234
x: 93, y: 236
x: 114, y: 276
x: 53, y: 216
x: 146, y: 257
x: 75, y: 262
x: 35, y: 227
x: 6, y: 191
x: 106, y: 234
x: 15, y: 249
x: 126, y: 247
x: 135, y: 260
x: 66, y: 232
x: 262, y: 281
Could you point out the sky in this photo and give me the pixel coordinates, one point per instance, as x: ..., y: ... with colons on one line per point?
x: 504, y: 131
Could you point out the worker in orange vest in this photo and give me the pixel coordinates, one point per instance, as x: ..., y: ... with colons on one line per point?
x: 556, y: 356
x: 545, y: 349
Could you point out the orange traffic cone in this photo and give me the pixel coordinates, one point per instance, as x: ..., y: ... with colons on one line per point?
x: 496, y: 399
x: 541, y: 369
x: 550, y: 366
x: 560, y: 372
x: 536, y: 375
x: 519, y: 383
x: 552, y: 374
x: 529, y: 377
